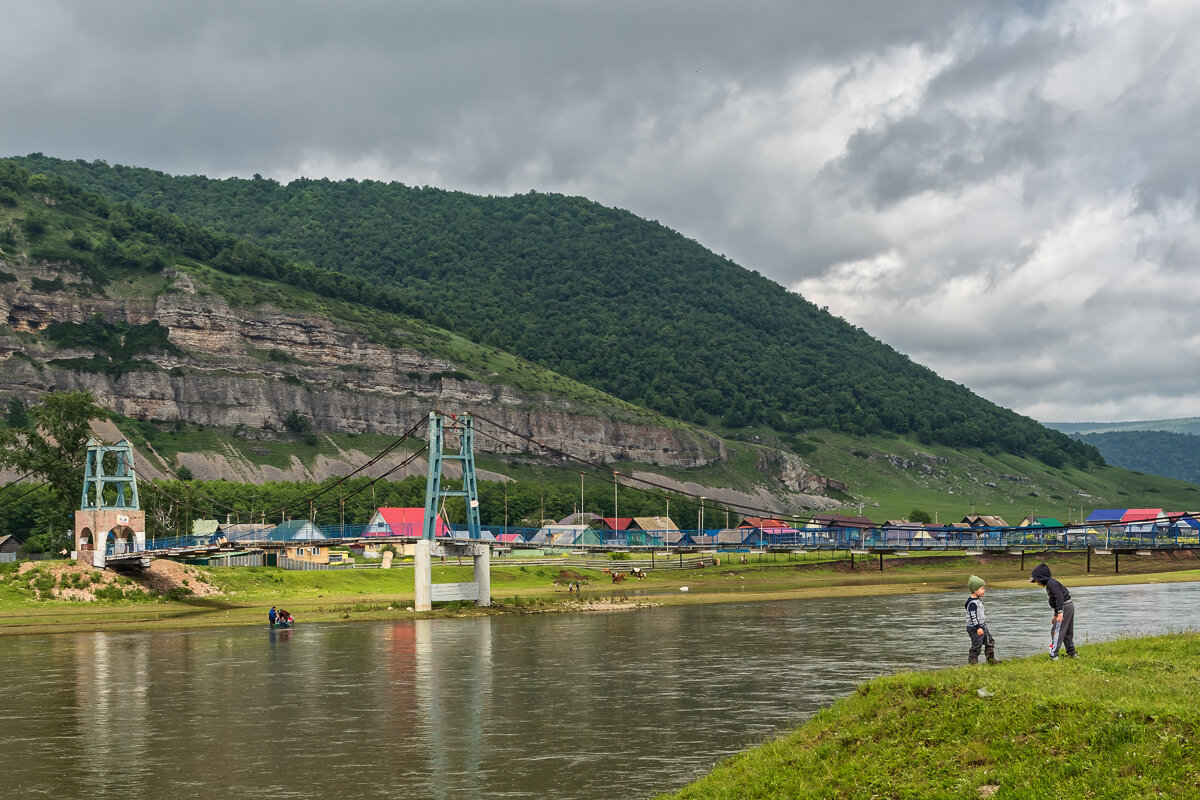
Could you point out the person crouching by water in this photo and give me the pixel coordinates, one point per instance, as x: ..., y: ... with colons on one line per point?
x: 1062, y: 624
x: 981, y: 637
x: 272, y: 616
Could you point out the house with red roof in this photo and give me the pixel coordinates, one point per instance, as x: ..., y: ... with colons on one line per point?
x: 1144, y: 521
x: 408, y: 522
x: 767, y: 525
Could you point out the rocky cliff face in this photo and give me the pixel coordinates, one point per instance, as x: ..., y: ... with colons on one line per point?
x: 338, y: 379
x: 247, y: 369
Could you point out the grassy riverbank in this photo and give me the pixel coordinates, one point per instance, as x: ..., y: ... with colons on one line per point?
x: 244, y: 593
x: 1119, y: 722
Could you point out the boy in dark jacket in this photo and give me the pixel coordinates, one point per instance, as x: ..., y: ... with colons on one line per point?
x: 1062, y: 626
x: 981, y: 637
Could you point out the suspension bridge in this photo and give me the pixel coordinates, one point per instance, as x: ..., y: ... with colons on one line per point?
x: 110, y: 525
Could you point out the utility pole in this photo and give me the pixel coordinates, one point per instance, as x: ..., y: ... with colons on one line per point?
x: 615, y: 514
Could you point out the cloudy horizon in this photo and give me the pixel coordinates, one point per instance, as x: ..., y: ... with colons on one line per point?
x: 1007, y: 192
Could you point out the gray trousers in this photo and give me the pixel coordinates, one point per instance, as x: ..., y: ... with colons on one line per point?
x: 1062, y: 634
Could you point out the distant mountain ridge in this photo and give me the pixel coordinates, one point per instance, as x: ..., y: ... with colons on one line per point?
x: 597, y: 294
x: 1180, y: 425
x: 1157, y: 452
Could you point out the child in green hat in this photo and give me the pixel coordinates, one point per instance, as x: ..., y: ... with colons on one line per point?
x: 981, y: 637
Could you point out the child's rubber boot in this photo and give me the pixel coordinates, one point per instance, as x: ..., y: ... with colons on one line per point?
x: 972, y: 659
x: 991, y: 654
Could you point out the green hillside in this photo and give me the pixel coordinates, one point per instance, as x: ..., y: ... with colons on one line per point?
x: 1173, y: 455
x: 113, y: 250
x: 623, y: 304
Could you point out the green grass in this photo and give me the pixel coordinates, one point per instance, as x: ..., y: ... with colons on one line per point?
x: 1118, y: 723
x: 313, y: 596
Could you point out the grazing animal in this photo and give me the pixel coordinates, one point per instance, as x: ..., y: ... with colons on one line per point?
x: 618, y: 577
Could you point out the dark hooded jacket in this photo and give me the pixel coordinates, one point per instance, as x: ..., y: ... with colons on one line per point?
x: 1056, y: 593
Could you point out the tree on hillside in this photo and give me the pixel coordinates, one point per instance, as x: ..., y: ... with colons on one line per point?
x: 50, y: 448
x: 919, y: 515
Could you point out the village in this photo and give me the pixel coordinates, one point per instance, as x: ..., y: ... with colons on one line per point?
x: 393, y: 532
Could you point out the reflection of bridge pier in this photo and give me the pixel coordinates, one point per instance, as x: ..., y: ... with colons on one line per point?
x: 460, y: 665
x: 112, y: 699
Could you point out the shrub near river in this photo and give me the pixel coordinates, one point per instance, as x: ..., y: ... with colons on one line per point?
x: 69, y: 580
x: 1118, y: 723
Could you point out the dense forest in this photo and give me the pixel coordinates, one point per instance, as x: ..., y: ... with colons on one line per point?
x: 598, y: 294
x: 1172, y: 455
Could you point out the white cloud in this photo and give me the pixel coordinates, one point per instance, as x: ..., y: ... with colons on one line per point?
x: 1006, y: 191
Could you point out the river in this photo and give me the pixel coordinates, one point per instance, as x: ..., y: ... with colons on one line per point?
x: 596, y: 705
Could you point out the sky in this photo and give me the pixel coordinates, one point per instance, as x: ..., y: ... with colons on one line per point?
x: 1007, y: 192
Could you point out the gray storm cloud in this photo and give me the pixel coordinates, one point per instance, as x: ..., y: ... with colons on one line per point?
x: 1006, y: 192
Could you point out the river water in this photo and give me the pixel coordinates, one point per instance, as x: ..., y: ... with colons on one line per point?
x: 597, y: 705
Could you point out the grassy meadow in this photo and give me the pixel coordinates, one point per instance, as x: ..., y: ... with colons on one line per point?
x: 1116, y: 723
x: 243, y: 594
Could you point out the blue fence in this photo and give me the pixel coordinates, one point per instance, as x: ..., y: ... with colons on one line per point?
x: 1142, y: 536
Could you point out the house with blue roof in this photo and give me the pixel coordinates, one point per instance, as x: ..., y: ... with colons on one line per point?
x: 295, y: 530
x: 1105, y: 516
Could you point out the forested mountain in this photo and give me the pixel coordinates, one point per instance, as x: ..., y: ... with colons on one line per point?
x: 1172, y: 455
x: 598, y: 294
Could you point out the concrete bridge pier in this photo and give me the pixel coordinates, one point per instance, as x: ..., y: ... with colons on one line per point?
x: 423, y: 578
x: 483, y: 572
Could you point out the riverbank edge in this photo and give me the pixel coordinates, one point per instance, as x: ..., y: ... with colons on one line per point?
x: 1113, y: 723
x: 46, y: 617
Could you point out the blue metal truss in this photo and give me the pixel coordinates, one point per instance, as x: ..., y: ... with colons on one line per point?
x: 122, y: 477
x: 434, y: 493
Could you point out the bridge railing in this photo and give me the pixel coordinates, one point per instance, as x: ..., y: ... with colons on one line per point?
x: 900, y: 538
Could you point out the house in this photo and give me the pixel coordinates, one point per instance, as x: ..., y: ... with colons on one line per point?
x: 765, y: 525
x: 735, y: 537
x: 242, y: 532
x: 580, y: 518
x: 1040, y: 522
x: 984, y: 521
x: 845, y: 527
x: 366, y: 550
x: 566, y: 536
x: 659, y: 530
x: 295, y: 530
x: 1185, y: 527
x: 205, y: 528
x: 407, y: 522
x: 1104, y: 516
x: 9, y: 544
x: 312, y: 553
x: 838, y: 521
x: 901, y: 531
x: 1144, y: 521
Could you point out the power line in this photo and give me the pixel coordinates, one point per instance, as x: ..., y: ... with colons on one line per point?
x: 617, y: 475
x: 12, y: 500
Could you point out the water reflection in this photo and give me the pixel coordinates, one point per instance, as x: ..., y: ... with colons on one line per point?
x: 569, y: 706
